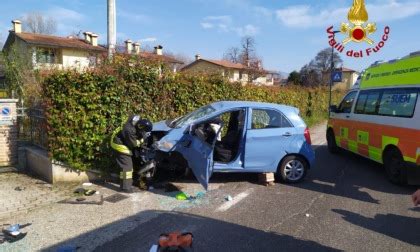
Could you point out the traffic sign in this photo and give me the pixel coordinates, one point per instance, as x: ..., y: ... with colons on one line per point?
x: 337, y: 76
x: 5, y: 111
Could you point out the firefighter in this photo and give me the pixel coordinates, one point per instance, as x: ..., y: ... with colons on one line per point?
x: 132, y: 135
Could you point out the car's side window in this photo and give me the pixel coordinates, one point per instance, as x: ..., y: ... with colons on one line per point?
x: 347, y: 103
x: 267, y: 118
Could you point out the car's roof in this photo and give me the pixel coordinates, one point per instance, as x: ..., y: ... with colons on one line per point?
x: 235, y: 104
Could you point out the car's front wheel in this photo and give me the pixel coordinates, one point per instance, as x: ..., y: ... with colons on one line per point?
x: 292, y: 169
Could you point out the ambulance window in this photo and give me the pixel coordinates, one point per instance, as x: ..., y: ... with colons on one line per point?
x: 372, y: 102
x: 347, y: 103
x: 361, y: 101
x: 398, y: 102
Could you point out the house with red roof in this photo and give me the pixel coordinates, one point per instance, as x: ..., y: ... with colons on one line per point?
x: 47, y: 51
x: 234, y: 72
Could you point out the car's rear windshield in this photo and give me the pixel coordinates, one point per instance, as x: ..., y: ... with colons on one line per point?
x: 193, y: 116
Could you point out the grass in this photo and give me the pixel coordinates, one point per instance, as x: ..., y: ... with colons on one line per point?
x: 315, y: 119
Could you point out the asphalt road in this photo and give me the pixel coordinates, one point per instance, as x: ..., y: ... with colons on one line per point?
x: 345, y: 203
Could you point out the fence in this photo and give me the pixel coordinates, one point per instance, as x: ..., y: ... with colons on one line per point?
x: 32, y: 126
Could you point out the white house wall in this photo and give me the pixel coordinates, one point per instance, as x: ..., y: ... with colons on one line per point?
x: 75, y: 58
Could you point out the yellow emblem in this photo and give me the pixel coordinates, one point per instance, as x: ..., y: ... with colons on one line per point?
x: 357, y: 16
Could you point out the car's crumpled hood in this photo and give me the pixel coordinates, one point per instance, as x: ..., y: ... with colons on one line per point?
x: 161, y: 126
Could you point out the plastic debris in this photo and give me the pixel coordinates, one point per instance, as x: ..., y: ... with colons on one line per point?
x: 90, y: 192
x: 19, y: 188
x: 87, y: 184
x: 200, y: 195
x: 79, y: 191
x: 181, y: 196
x: 309, y: 215
x: 13, y: 233
x: 228, y: 198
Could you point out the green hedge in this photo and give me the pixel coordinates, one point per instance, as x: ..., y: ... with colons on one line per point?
x: 83, y: 108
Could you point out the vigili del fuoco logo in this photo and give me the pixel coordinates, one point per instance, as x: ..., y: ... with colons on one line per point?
x: 358, y: 30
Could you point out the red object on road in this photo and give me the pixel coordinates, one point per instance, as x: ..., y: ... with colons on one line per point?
x: 175, y: 241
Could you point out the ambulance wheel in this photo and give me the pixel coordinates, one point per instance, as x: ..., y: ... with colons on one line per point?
x: 394, y: 165
x: 292, y: 169
x: 332, y: 144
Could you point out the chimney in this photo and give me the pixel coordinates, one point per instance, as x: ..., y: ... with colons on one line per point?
x: 128, y: 46
x: 158, y: 50
x: 88, y: 37
x: 94, y: 39
x: 136, y: 48
x: 197, y: 57
x: 17, y: 26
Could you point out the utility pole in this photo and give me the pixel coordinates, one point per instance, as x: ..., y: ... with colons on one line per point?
x: 331, y: 74
x: 112, y: 27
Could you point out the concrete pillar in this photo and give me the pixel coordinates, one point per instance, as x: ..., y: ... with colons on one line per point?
x: 8, y: 132
x: 112, y: 27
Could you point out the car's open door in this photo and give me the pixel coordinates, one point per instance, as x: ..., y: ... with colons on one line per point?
x: 199, y: 155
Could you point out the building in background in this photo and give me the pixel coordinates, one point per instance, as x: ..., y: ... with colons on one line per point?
x: 156, y: 56
x: 234, y: 72
x: 47, y: 52
x: 349, y: 77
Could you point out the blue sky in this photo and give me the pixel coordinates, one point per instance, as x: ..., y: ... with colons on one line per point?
x: 288, y: 33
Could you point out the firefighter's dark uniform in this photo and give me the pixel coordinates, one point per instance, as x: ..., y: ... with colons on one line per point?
x: 123, y: 141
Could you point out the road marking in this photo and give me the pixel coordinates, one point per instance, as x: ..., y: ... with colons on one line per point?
x: 225, y: 206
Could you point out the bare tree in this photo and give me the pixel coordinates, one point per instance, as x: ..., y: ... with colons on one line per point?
x: 248, y: 52
x: 247, y: 56
x: 36, y: 22
x: 233, y: 54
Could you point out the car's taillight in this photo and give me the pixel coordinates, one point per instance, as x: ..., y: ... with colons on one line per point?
x: 307, y: 136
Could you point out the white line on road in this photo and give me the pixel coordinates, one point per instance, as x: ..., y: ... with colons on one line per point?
x: 225, y: 206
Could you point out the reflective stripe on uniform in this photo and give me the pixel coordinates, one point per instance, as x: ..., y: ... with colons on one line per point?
x: 126, y: 175
x: 119, y: 147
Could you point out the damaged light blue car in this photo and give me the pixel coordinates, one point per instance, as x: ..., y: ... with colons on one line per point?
x: 236, y: 136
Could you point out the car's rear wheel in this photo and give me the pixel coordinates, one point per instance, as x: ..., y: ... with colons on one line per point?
x: 292, y: 169
x: 395, y: 166
x: 332, y: 144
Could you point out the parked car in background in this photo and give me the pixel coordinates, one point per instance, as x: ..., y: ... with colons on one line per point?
x: 254, y: 137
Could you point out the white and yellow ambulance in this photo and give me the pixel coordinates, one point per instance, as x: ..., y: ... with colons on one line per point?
x: 380, y: 118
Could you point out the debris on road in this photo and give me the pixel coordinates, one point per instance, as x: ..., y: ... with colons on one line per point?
x: 114, y: 198
x: 228, y: 198
x: 89, y: 192
x: 20, y: 188
x: 266, y: 179
x: 13, y: 233
x: 175, y: 241
x: 181, y: 196
x: 87, y: 184
x: 309, y: 215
